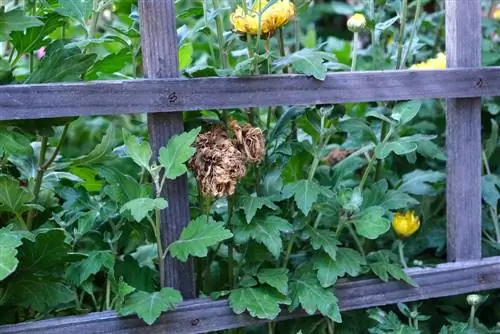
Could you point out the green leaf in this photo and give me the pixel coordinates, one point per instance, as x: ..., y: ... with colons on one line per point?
x: 492, y: 142
x: 307, y: 292
x: 101, y: 152
x: 371, y: 223
x: 110, y: 64
x: 383, y: 268
x: 9, y: 242
x: 419, y: 182
x: 490, y: 189
x: 348, y: 261
x: 266, y: 230
x: 13, y: 198
x: 96, y: 261
x: 305, y: 194
x: 122, y: 188
x: 307, y: 61
x: 275, y: 277
x: 197, y: 237
x: 379, y: 195
x: 40, y: 294
x: 261, y: 302
x: 177, y: 153
x: 15, y: 20
x: 406, y: 111
x: 322, y: 239
x: 185, y: 55
x: 140, y: 152
x: 36, y: 37
x: 145, y: 255
x: 79, y: 10
x: 383, y: 150
x: 140, y: 207
x: 121, y: 290
x: 61, y: 64
x: 13, y: 142
x: 46, y: 253
x: 149, y: 306
x: 251, y: 204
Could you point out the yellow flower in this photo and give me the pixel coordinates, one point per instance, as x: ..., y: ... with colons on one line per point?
x: 405, y: 224
x: 438, y: 63
x: 356, y: 23
x: 496, y: 14
x: 271, y: 18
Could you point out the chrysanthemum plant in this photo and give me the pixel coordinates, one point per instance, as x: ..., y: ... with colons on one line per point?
x: 284, y: 200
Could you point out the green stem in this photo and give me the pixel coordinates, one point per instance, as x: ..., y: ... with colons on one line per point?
x: 205, y: 17
x: 418, y: 10
x: 402, y: 27
x: 220, y: 36
x: 53, y: 157
x: 355, y: 41
x: 156, y: 225
x: 380, y: 163
x: 270, y: 328
x: 374, y: 40
x: 402, y: 254
x: 296, y: 32
x: 108, y: 292
x: 230, y: 251
x: 492, y: 209
x: 331, y: 326
x: 94, y: 19
x: 38, y: 179
x: 318, y: 220
x: 356, y: 240
x: 472, y: 316
x: 281, y: 45
x: 373, y: 159
x: 32, y: 53
x: 289, y: 249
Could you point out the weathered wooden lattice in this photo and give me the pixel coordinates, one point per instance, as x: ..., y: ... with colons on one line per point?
x: 164, y: 97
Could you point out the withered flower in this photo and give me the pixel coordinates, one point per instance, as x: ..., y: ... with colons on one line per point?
x: 336, y: 156
x: 250, y: 141
x: 217, y: 164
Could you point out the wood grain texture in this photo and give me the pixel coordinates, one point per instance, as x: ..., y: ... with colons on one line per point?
x: 463, y: 135
x: 172, y: 95
x: 160, y: 60
x: 204, y: 315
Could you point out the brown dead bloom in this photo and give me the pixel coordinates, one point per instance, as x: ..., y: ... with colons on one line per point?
x: 217, y: 164
x: 249, y: 141
x: 336, y: 156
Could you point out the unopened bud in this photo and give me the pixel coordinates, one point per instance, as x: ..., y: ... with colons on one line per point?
x: 356, y: 23
x: 473, y: 300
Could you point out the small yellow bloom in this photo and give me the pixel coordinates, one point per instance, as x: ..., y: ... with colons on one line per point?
x: 271, y: 18
x: 405, y: 224
x: 356, y: 23
x: 496, y: 14
x: 438, y: 63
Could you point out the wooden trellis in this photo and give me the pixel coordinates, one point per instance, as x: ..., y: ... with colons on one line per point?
x: 164, y: 96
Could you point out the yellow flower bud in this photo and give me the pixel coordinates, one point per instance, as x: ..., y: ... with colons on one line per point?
x: 438, y: 63
x: 356, y: 23
x: 405, y: 224
x: 496, y: 14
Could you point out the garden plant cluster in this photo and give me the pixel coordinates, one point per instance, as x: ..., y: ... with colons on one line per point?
x: 284, y: 201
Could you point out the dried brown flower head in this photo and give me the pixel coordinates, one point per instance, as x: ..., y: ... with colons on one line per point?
x: 217, y: 164
x: 336, y: 156
x: 249, y: 141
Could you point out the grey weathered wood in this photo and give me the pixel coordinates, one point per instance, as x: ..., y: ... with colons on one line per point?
x: 160, y: 60
x: 171, y: 95
x: 203, y: 315
x: 463, y: 135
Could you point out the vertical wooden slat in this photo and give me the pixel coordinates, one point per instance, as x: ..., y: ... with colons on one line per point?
x: 463, y: 135
x: 160, y: 60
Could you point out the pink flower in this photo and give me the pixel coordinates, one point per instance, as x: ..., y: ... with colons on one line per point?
x: 40, y: 53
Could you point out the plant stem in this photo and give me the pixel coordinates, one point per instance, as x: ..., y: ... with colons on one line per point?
x: 380, y: 163
x: 108, y: 292
x: 355, y: 41
x: 402, y: 27
x: 220, y: 36
x: 492, y: 209
x: 281, y: 45
x: 32, y: 53
x: 356, y: 240
x: 331, y: 326
x: 93, y: 20
x: 53, y: 157
x: 373, y: 159
x: 38, y: 179
x: 270, y: 328
x: 296, y: 32
x: 374, y: 40
x: 156, y: 225
x: 230, y: 251
x: 402, y: 254
x: 472, y: 316
x: 418, y: 10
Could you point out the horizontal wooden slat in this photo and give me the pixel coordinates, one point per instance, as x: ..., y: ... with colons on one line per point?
x: 170, y: 95
x: 203, y: 315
